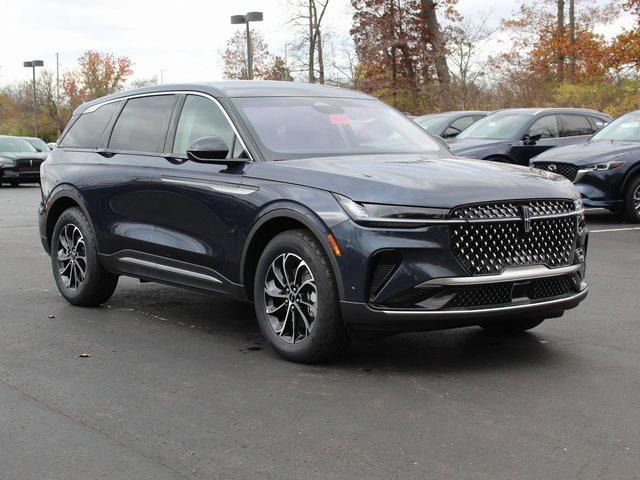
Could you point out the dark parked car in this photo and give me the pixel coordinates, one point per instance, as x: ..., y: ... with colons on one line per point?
x: 329, y: 210
x: 449, y: 124
x: 38, y: 144
x: 19, y: 161
x: 519, y: 134
x: 606, y: 168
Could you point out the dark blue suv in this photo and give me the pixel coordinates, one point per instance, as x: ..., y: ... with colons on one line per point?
x: 517, y: 135
x: 330, y: 211
x: 606, y: 168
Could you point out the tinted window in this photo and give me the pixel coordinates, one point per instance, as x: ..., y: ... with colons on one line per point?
x: 547, y: 126
x: 434, y: 124
x: 201, y: 117
x: 143, y: 123
x: 458, y: 126
x: 573, y: 125
x: 87, y: 130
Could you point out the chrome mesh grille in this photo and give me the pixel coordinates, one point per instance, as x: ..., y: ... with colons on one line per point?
x: 490, y: 247
x: 565, y: 169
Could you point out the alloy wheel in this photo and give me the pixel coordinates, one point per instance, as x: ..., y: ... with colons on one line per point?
x: 71, y: 256
x: 291, y: 298
x: 636, y: 200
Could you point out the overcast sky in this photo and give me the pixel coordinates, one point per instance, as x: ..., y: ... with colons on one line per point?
x: 181, y: 37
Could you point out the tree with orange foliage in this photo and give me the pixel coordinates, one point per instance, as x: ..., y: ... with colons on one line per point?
x: 98, y: 74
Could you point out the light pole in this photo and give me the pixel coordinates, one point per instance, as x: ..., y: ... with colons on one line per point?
x: 32, y: 65
x: 240, y: 19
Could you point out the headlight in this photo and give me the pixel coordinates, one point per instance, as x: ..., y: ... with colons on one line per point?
x: 7, y: 162
x: 374, y: 214
x: 604, y: 166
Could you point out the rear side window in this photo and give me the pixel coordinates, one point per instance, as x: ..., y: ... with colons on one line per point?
x: 87, y: 130
x: 143, y: 123
x: 547, y: 126
x: 575, y: 125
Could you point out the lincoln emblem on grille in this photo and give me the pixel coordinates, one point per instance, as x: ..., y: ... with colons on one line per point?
x: 526, y: 219
x: 31, y: 163
x: 552, y: 168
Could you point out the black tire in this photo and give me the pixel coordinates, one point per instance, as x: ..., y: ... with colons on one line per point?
x: 328, y: 334
x: 98, y: 284
x: 512, y: 325
x: 631, y: 199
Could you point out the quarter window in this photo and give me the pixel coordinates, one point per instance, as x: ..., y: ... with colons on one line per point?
x: 597, y: 123
x: 201, y: 117
x: 142, y: 125
x: 89, y: 127
x: 547, y: 126
x: 575, y: 125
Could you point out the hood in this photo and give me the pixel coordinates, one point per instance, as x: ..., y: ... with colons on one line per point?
x: 476, y: 147
x: 418, y: 180
x: 40, y: 156
x: 589, y: 153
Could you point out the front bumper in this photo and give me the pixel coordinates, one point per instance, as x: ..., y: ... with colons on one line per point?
x: 363, y: 317
x: 11, y: 174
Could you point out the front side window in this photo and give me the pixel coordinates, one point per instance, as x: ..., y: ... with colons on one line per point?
x: 201, y: 117
x: 499, y: 126
x: 597, y: 123
x: 87, y: 130
x: 298, y: 127
x: 547, y: 126
x: 575, y: 125
x: 15, y: 145
x: 142, y: 125
x: 433, y: 124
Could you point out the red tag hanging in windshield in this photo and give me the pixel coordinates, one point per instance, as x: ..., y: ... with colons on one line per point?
x: 341, y: 119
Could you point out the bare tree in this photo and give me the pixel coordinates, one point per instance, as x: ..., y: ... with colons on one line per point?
x: 307, y: 20
x: 468, y: 65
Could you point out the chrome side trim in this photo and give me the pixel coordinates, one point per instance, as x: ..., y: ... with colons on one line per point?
x: 167, y: 268
x: 93, y: 108
x: 581, y: 173
x: 475, y: 312
x: 509, y: 275
x: 221, y: 187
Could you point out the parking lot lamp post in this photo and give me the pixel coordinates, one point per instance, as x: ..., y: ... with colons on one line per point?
x: 33, y: 64
x: 240, y: 19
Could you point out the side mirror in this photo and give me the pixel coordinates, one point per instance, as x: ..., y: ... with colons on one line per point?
x: 532, y: 137
x: 210, y: 150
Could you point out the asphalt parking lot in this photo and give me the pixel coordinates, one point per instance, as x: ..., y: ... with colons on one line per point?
x: 178, y: 385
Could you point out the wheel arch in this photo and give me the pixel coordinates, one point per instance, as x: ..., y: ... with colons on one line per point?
x: 273, y: 223
x: 61, y: 199
x: 632, y: 173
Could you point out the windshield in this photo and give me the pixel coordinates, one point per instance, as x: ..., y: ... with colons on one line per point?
x: 39, y: 144
x: 626, y: 128
x: 15, y: 145
x: 505, y: 126
x: 434, y: 124
x: 298, y: 127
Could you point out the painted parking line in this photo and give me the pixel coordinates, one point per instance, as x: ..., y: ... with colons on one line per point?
x: 614, y: 230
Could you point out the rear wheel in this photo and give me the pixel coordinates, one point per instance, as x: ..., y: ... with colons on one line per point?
x: 296, y: 299
x: 512, y: 325
x: 77, y: 271
x: 632, y: 201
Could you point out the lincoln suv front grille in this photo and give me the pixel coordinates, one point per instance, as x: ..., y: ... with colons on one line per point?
x: 510, y: 234
x: 565, y: 169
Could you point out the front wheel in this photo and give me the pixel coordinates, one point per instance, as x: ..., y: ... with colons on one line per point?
x: 77, y: 271
x: 296, y: 299
x: 632, y: 201
x: 512, y: 325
